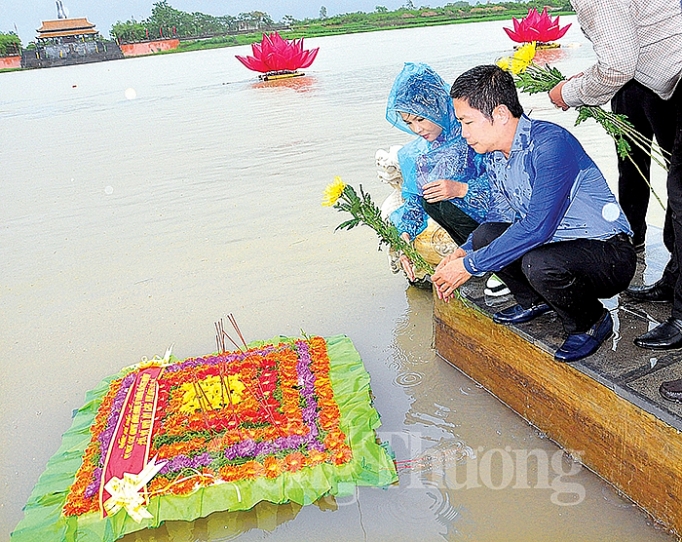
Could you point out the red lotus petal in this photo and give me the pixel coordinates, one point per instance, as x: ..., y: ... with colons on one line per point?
x: 278, y: 62
x: 310, y: 57
x: 278, y: 41
x: 513, y: 35
x: 253, y: 63
x: 562, y: 31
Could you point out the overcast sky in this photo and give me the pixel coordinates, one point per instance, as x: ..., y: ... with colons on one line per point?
x: 28, y: 14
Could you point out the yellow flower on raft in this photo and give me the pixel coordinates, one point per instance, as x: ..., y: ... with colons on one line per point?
x: 333, y: 192
x: 522, y: 58
x: 211, y: 393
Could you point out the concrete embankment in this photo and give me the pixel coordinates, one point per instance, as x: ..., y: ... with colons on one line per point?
x: 605, y: 410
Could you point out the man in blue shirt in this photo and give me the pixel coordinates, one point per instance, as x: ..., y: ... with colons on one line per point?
x: 555, y: 233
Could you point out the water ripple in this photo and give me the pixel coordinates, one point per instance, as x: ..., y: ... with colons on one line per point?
x: 409, y: 379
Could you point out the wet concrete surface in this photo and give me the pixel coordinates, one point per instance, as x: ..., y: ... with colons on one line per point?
x: 632, y: 372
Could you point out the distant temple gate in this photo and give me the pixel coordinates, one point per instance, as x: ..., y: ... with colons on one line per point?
x: 62, y: 42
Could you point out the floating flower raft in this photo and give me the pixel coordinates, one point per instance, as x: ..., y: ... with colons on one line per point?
x: 288, y: 420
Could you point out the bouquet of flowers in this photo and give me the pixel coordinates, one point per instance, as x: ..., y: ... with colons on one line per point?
x: 343, y: 197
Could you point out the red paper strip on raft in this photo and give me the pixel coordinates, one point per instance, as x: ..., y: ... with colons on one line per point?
x: 129, y: 448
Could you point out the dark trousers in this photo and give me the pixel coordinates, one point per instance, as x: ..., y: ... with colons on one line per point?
x: 651, y: 116
x: 674, y: 185
x: 571, y: 276
x: 452, y: 219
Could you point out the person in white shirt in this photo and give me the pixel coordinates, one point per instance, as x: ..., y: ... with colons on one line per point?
x: 640, y: 41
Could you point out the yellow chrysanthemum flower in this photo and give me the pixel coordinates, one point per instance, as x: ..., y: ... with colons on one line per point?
x: 212, y: 393
x: 521, y: 59
x: 504, y: 63
x: 333, y: 192
x: 526, y: 52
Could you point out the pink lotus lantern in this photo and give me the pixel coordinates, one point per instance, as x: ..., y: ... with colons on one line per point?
x: 276, y: 54
x: 536, y: 27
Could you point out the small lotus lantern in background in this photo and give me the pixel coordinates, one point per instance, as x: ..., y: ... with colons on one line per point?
x: 277, y: 57
x: 537, y: 27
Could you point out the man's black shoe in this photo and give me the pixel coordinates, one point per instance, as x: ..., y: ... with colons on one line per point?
x: 580, y: 345
x: 658, y: 291
x: 516, y: 314
x: 672, y: 390
x: 663, y: 337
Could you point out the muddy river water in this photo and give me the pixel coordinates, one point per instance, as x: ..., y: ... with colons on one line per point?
x: 142, y: 200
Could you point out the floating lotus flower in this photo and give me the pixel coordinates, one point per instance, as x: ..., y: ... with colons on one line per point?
x: 275, y: 54
x: 536, y: 27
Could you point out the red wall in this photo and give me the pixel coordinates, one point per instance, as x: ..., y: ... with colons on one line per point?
x: 10, y: 62
x: 149, y: 47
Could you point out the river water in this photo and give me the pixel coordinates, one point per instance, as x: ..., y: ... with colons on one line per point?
x: 142, y: 200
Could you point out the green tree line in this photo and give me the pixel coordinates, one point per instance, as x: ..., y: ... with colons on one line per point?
x: 408, y: 15
x: 10, y: 44
x: 225, y: 30
x: 166, y: 21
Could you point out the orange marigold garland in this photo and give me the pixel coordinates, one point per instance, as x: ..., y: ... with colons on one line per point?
x: 230, y: 416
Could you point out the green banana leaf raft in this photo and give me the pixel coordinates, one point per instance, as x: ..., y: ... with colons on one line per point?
x: 285, y: 421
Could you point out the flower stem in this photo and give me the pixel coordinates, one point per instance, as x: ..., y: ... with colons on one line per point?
x: 364, y: 211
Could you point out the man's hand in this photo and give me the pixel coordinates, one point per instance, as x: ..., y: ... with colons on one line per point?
x: 555, y: 94
x: 443, y: 189
x: 556, y: 98
x: 449, y: 277
x: 458, y: 253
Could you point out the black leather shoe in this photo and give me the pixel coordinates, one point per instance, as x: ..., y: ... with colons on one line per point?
x: 672, y: 390
x: 516, y: 314
x: 663, y: 337
x: 657, y: 291
x: 580, y: 345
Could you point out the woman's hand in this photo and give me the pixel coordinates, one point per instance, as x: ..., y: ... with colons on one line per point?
x: 444, y: 189
x: 405, y: 262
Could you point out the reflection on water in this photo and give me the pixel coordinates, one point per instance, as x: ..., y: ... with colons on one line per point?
x: 299, y: 84
x: 551, y: 56
x: 446, y: 453
x: 223, y: 526
x: 134, y: 220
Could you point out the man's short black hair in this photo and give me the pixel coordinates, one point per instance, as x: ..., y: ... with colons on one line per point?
x: 485, y: 87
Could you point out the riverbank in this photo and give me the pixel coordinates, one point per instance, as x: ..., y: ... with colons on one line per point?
x: 322, y: 28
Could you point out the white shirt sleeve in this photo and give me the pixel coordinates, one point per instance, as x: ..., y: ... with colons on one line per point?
x: 611, y: 28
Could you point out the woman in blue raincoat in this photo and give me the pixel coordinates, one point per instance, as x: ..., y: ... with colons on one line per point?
x: 442, y: 176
